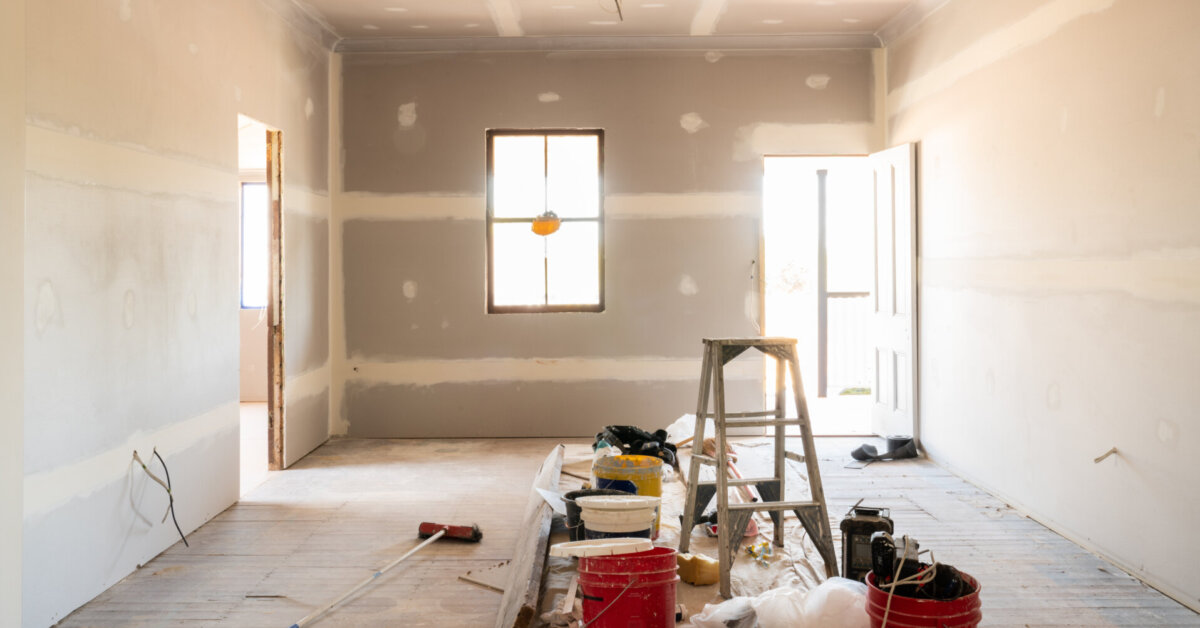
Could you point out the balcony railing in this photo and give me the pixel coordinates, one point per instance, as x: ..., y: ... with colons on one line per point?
x: 846, y: 366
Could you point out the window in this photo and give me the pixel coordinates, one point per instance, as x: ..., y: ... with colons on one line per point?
x: 256, y: 240
x: 530, y: 173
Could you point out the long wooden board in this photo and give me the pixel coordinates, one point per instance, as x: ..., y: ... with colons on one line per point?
x: 521, y: 596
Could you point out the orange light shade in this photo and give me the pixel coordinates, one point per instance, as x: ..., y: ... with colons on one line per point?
x: 546, y: 224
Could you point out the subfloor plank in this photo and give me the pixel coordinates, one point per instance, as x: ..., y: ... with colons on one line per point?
x: 310, y: 533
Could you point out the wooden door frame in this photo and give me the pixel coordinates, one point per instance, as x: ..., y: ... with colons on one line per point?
x: 275, y: 311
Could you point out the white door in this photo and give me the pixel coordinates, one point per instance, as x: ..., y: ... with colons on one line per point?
x: 893, y: 410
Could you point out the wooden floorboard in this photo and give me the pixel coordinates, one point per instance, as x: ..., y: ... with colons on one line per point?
x: 308, y: 534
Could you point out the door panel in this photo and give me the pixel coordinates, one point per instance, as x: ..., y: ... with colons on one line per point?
x: 895, y: 399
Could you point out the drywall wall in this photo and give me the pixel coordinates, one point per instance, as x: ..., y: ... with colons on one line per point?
x: 12, y: 305
x: 131, y: 271
x: 306, y: 322
x: 416, y: 354
x: 1060, y: 263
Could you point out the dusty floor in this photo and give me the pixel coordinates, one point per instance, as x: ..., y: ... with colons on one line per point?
x: 305, y: 535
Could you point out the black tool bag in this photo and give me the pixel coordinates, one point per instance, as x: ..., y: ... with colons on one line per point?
x: 638, y: 442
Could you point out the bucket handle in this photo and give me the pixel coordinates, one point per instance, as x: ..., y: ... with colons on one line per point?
x: 632, y: 581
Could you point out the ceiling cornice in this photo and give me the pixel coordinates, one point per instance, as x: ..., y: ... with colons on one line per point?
x: 306, y: 20
x: 908, y: 19
x: 596, y: 44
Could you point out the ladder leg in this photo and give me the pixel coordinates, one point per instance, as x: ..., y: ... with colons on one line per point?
x: 780, y: 446
x: 724, y: 529
x: 822, y: 536
x: 693, y: 479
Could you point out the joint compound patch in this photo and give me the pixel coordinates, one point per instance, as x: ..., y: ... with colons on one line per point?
x: 817, y: 81
x: 130, y: 309
x: 549, y: 97
x: 410, y: 290
x: 408, y: 138
x: 47, y: 310
x: 713, y: 56
x: 687, y: 286
x: 1053, y: 397
x: 1168, y: 432
x: 308, y: 108
x: 125, y: 11
x: 406, y: 115
x: 692, y: 122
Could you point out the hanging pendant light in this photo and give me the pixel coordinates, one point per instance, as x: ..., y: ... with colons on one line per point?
x: 547, y: 223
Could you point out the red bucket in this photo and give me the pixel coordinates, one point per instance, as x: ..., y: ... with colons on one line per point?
x: 907, y: 612
x: 629, y: 590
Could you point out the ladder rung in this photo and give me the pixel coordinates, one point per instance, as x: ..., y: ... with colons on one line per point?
x: 739, y: 481
x: 762, y: 422
x: 713, y: 415
x: 791, y: 455
x: 774, y: 506
x: 705, y: 459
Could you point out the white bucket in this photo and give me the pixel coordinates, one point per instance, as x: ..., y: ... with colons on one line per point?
x: 618, y: 514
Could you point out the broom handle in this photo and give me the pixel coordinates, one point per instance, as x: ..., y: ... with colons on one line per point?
x: 321, y: 611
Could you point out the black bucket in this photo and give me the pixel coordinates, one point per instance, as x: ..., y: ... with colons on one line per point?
x: 574, y: 523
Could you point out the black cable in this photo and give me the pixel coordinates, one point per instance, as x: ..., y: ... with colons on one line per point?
x: 171, y: 496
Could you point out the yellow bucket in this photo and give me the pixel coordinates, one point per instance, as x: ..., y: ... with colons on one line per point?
x: 637, y: 475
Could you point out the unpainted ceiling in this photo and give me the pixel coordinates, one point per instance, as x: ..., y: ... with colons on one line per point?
x: 355, y: 20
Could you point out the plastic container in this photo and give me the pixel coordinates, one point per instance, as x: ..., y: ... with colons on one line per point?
x: 629, y: 590
x: 636, y: 475
x: 912, y: 613
x: 604, y: 547
x: 613, y: 516
x: 574, y: 523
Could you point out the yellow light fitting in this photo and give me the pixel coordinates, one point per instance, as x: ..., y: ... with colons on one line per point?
x: 546, y: 223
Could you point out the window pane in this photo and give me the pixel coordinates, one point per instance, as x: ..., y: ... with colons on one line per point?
x: 518, y: 265
x: 256, y: 245
x: 519, y: 182
x: 574, y: 262
x: 574, y: 175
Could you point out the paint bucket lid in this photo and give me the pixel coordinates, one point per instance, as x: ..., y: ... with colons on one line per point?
x: 618, y: 502
x: 601, y: 547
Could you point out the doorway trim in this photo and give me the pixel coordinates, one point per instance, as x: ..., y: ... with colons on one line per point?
x: 275, y: 304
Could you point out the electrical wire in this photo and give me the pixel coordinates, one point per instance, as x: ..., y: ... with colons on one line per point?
x: 920, y: 578
x: 172, y: 498
x: 167, y: 487
x: 617, y: 4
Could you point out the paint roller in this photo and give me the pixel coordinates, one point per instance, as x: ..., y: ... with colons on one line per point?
x: 428, y: 531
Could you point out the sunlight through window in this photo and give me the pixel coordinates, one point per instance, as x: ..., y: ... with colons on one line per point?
x: 530, y: 173
x: 256, y: 226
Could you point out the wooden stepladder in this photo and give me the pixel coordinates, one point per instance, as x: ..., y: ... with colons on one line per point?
x: 732, y: 519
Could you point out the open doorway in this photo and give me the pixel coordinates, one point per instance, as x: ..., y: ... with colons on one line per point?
x: 818, y: 274
x: 839, y: 274
x: 259, y: 300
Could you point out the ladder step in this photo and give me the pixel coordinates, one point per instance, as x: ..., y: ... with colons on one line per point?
x: 774, y: 506
x: 713, y: 415
x: 739, y: 482
x: 762, y: 422
x: 791, y: 455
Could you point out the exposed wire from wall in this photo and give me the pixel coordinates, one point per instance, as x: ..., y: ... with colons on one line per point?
x: 166, y: 486
x: 617, y: 4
